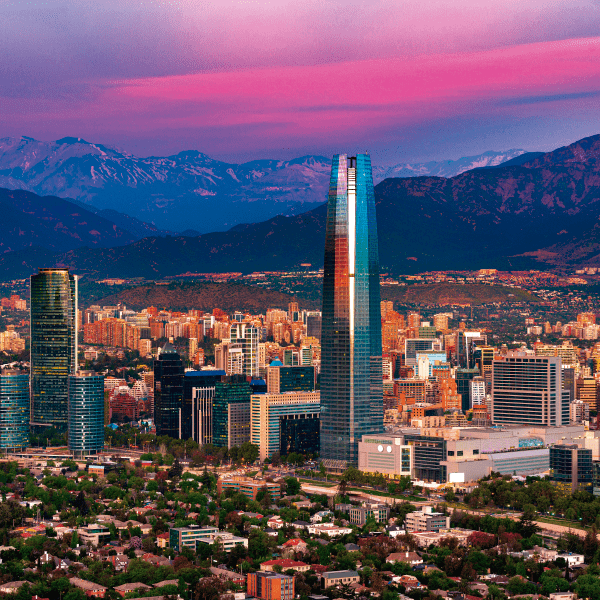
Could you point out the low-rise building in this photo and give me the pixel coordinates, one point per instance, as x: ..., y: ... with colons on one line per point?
x: 328, y: 529
x: 411, y: 558
x: 89, y: 588
x: 360, y: 514
x: 95, y: 534
x: 335, y: 578
x: 284, y: 564
x: 189, y: 536
x: 426, y: 520
x: 250, y: 487
x: 271, y: 586
x: 131, y: 587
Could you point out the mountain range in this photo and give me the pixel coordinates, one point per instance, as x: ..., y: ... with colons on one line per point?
x: 188, y: 190
x: 541, y: 213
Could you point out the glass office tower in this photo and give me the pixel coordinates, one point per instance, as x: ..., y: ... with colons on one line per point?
x: 14, y: 410
x: 168, y: 392
x: 351, y: 374
x: 53, y: 345
x: 86, y: 413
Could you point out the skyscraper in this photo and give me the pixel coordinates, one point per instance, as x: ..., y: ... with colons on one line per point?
x: 53, y: 345
x: 168, y: 392
x: 86, y: 413
x: 351, y: 372
x: 245, y: 336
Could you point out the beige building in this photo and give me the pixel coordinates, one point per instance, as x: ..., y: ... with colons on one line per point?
x: 426, y: 520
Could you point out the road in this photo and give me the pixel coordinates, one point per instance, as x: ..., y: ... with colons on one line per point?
x: 547, y: 529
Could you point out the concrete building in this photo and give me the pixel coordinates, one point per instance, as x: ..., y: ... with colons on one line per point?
x: 385, y: 454
x: 180, y: 537
x: 271, y: 586
x: 360, y: 514
x: 249, y: 487
x: 528, y: 390
x: 335, y: 578
x: 426, y: 520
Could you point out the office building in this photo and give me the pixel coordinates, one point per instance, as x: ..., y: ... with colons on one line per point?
x: 285, y: 423
x: 351, y: 375
x: 463, y: 379
x: 268, y: 585
x: 189, y: 537
x: 483, y: 357
x: 86, y: 413
x: 426, y: 520
x: 385, y: 454
x: 415, y: 346
x: 14, y: 410
x: 313, y: 325
x: 246, y: 337
x: 282, y: 379
x: 360, y: 514
x: 53, y: 346
x: 587, y: 391
x: 168, y: 392
x: 579, y: 412
x: 231, y: 411
x: 466, y: 343
x: 571, y: 465
x: 198, y: 396
x: 477, y: 391
x: 528, y: 390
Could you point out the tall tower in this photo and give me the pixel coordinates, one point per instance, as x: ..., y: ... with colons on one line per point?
x: 245, y: 336
x: 168, y: 392
x: 53, y: 345
x: 351, y: 372
x: 86, y: 413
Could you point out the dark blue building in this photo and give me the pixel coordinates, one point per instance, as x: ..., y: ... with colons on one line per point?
x: 86, y: 413
x: 168, y: 392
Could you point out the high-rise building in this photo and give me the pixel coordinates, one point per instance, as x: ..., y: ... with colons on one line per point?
x: 313, y: 325
x: 527, y: 390
x: 285, y: 423
x: 463, y: 386
x: 414, y: 346
x: 247, y: 338
x: 86, y: 413
x: 282, y: 379
x: 199, y: 389
x: 351, y: 372
x: 231, y: 411
x: 271, y: 586
x: 14, y: 410
x: 53, y: 345
x: 168, y: 392
x: 477, y: 391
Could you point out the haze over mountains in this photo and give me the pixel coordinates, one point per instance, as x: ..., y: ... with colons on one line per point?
x: 189, y: 190
x: 544, y: 212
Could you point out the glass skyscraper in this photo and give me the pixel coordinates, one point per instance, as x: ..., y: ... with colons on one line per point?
x: 86, y: 413
x: 14, y: 410
x: 351, y: 371
x: 53, y: 345
x: 168, y: 392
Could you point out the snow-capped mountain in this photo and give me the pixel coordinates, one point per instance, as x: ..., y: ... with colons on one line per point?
x: 189, y: 190
x: 445, y: 168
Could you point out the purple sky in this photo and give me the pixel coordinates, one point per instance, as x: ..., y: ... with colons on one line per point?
x: 242, y: 79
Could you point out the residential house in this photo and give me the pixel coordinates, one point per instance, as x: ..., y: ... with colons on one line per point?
x: 335, y: 578
x: 131, y: 587
x: 411, y: 558
x: 89, y: 588
x: 285, y: 564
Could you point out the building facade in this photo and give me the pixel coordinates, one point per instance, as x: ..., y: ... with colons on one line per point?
x: 86, y: 413
x: 351, y: 372
x: 14, y: 410
x: 53, y: 346
x: 293, y: 415
x: 268, y: 585
x: 528, y: 390
x: 571, y: 465
x: 231, y: 411
x: 168, y: 392
x: 199, y: 388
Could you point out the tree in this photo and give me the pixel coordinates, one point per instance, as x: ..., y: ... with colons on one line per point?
x: 176, y: 470
x: 292, y: 485
x: 343, y: 487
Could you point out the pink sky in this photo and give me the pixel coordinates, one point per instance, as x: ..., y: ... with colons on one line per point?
x: 234, y: 79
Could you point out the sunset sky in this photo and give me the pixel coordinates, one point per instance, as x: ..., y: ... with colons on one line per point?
x: 407, y: 80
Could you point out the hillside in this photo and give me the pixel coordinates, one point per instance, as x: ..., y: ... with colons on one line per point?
x: 205, y: 296
x: 448, y: 293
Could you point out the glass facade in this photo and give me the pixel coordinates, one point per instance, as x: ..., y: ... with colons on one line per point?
x: 86, y: 413
x: 247, y: 337
x: 351, y: 370
x: 14, y: 410
x: 53, y: 345
x: 572, y: 466
x: 168, y: 392
x: 231, y: 411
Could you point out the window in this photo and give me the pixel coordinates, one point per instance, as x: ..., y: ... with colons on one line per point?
x: 475, y: 452
x: 460, y: 453
x: 450, y: 452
